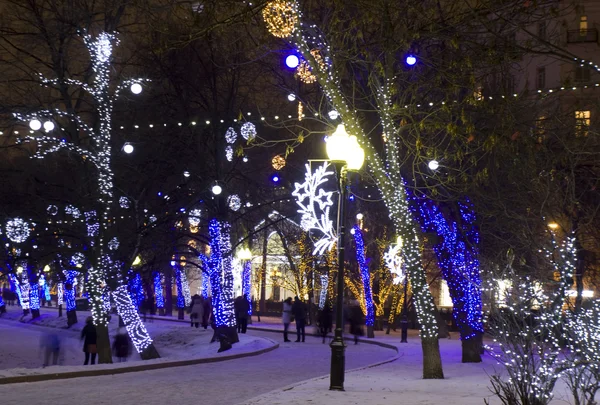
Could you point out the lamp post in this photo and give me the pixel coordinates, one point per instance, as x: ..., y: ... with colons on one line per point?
x: 346, y: 154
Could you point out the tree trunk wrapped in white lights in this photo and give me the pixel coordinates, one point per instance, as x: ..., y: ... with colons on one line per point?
x: 99, y: 154
x: 386, y: 171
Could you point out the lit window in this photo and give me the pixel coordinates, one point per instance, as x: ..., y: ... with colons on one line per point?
x: 541, y: 78
x: 582, y: 122
x: 583, y: 25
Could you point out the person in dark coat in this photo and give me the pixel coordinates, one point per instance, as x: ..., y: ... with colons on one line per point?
x: 196, y: 310
x: 299, y: 311
x: 206, y: 315
x: 325, y: 321
x: 356, y: 321
x: 121, y: 345
x: 241, y: 306
x: 89, y: 337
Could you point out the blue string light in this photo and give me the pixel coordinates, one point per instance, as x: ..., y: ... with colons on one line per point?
x: 180, y: 296
x: 456, y: 252
x: 205, y: 283
x: 246, y: 284
x: 364, y: 275
x: 136, y: 291
x: 69, y: 293
x: 158, y: 291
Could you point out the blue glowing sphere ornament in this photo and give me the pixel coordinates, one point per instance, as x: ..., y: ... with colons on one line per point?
x: 411, y: 60
x: 292, y: 61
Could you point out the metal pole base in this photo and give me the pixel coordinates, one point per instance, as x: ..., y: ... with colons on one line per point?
x: 404, y: 332
x: 338, y: 363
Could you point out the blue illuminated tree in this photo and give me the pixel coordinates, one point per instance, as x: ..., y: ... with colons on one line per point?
x: 456, y: 249
x: 365, y: 278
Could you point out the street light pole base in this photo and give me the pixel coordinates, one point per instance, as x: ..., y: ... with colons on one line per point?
x: 338, y: 363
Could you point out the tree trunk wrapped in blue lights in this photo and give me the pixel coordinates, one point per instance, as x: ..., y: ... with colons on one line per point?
x: 456, y: 251
x: 247, y: 284
x: 219, y: 268
x: 365, y: 277
x: 158, y: 292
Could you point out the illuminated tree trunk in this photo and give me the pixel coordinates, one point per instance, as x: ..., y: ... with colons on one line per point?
x: 366, y: 281
x: 135, y: 328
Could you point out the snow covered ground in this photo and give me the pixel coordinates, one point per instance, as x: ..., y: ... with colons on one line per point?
x: 226, y: 383
x: 20, y: 352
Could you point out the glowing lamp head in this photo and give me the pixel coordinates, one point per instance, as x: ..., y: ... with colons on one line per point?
x: 553, y: 225
x: 244, y: 254
x: 46, y: 269
x: 136, y: 88
x: 48, y: 126
x: 186, y: 174
x: 411, y: 60
x: 433, y: 165
x: 216, y: 189
x: 128, y: 148
x: 343, y: 147
x: 137, y: 261
x: 359, y: 216
x: 292, y: 61
x: 35, y: 124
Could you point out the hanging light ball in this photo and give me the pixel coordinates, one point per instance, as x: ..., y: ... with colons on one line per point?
x: 48, y: 126
x: 433, y: 164
x: 229, y: 153
x: 230, y: 135
x: 281, y: 17
x: 35, y: 124
x: 292, y: 61
x: 411, y: 60
x: 17, y: 230
x: 248, y: 131
x: 128, y: 148
x: 234, y: 202
x: 291, y: 97
x: 216, y: 189
x: 136, y: 88
x: 278, y: 162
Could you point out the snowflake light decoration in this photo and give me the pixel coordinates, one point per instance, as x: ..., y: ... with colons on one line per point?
x: 315, y: 204
x: 194, y: 217
x: 73, y: 211
x: 393, y: 261
x: 113, y: 244
x: 52, y: 210
x: 248, y: 131
x: 229, y: 153
x: 124, y: 202
x: 234, y: 202
x: 17, y: 230
x: 230, y: 135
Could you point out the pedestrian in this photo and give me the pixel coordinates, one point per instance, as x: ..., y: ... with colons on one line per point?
x: 325, y: 321
x: 121, y: 347
x: 207, y: 312
x: 356, y: 320
x: 242, y: 306
x: 88, y: 335
x: 196, y: 311
x: 286, y: 317
x: 299, y: 312
x: 50, y: 344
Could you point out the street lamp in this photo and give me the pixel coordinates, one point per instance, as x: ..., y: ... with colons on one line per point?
x: 346, y: 154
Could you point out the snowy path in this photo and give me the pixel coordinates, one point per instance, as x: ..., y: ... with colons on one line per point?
x: 226, y: 382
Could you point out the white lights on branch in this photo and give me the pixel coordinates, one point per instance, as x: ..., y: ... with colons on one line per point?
x: 315, y: 204
x: 78, y: 260
x: 229, y: 153
x: 234, y: 202
x: 333, y: 114
x: 73, y: 211
x: 113, y: 244
x: 17, y: 230
x: 248, y: 131
x: 230, y: 135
